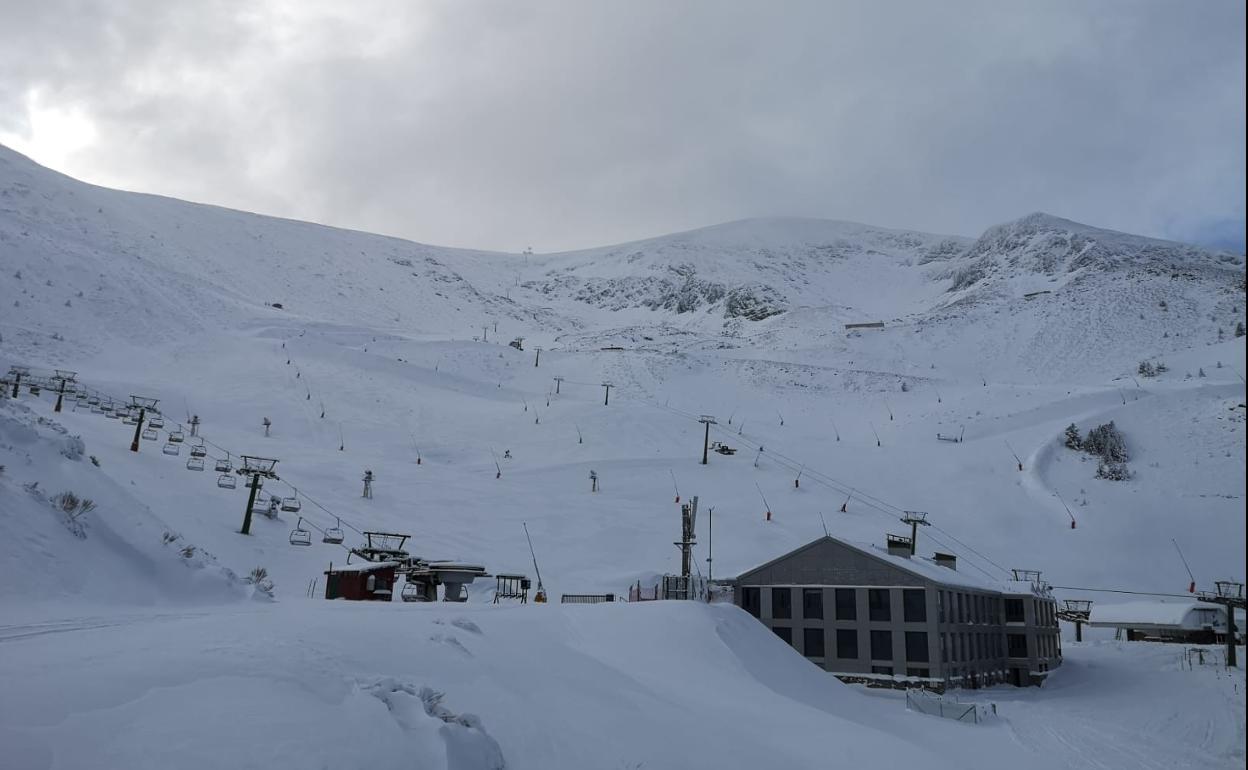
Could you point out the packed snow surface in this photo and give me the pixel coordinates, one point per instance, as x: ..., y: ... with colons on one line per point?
x: 135, y: 634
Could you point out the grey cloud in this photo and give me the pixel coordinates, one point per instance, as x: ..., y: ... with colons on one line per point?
x: 566, y: 124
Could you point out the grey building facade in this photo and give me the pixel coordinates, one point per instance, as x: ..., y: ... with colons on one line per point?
x: 867, y: 613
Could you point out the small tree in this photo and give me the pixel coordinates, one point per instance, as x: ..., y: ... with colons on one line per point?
x: 1146, y: 369
x: 1073, y: 439
x: 1112, y: 471
x: 1106, y: 442
x: 1239, y: 328
x: 1200, y: 372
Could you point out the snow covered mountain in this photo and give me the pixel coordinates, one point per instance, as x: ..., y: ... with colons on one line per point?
x: 390, y: 355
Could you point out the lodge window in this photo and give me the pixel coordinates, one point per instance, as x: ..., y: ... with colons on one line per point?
x: 944, y: 648
x: 846, y: 643
x: 812, y: 642
x: 1016, y: 645
x: 881, y: 645
x: 916, y: 646
x: 919, y: 672
x: 785, y: 633
x: 882, y: 670
x: 846, y: 604
x: 781, y: 603
x: 750, y: 600
x: 914, y: 605
x: 1015, y: 611
x: 812, y: 603
x: 877, y: 603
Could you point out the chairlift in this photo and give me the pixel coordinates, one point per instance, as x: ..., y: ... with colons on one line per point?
x: 94, y: 401
x: 157, y: 422
x: 171, y: 449
x: 199, y: 451
x: 299, y: 535
x: 333, y: 535
x: 227, y: 481
x: 34, y: 389
x: 131, y: 419
x: 82, y: 402
x: 150, y: 434
x: 177, y: 437
x: 97, y: 409
x: 195, y: 464
x: 224, y: 465
x: 291, y: 504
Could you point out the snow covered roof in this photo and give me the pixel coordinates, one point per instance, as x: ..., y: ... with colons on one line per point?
x: 365, y: 566
x: 919, y: 566
x: 926, y: 568
x: 1153, y: 614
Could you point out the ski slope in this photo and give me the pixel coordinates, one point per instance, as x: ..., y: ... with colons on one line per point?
x: 168, y: 299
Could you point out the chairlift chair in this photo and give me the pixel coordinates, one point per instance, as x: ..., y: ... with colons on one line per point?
x: 199, y: 451
x: 224, y: 465
x: 299, y: 535
x: 195, y: 464
x: 150, y: 434
x: 333, y: 535
x: 177, y: 437
x: 96, y: 408
x: 157, y: 422
x: 83, y: 403
x: 227, y: 481
x: 93, y: 401
x: 291, y: 504
x: 34, y: 389
x: 171, y: 449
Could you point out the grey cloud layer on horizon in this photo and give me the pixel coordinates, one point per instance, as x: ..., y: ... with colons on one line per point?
x: 560, y: 125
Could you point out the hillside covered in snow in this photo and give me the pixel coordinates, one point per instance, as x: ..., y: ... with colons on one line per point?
x: 364, y: 352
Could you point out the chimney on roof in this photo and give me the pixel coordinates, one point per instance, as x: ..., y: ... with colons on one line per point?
x: 945, y: 560
x: 898, y: 545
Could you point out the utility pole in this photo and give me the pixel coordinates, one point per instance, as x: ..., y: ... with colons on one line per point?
x: 607, y: 399
x: 257, y: 468
x: 143, y: 404
x: 62, y: 377
x: 538, y: 359
x: 708, y: 421
x: 915, y: 519
x: 1231, y: 596
x: 558, y: 382
x: 710, y: 516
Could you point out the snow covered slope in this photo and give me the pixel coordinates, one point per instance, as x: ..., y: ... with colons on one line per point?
x: 371, y: 364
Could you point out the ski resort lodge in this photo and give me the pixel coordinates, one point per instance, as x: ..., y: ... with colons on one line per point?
x: 883, y: 616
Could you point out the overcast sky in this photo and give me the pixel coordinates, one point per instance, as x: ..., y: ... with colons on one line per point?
x: 559, y: 125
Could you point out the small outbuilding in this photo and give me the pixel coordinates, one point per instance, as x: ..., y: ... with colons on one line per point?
x: 367, y: 582
x: 1189, y: 622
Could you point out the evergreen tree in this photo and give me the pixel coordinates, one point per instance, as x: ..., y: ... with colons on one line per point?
x: 1073, y: 439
